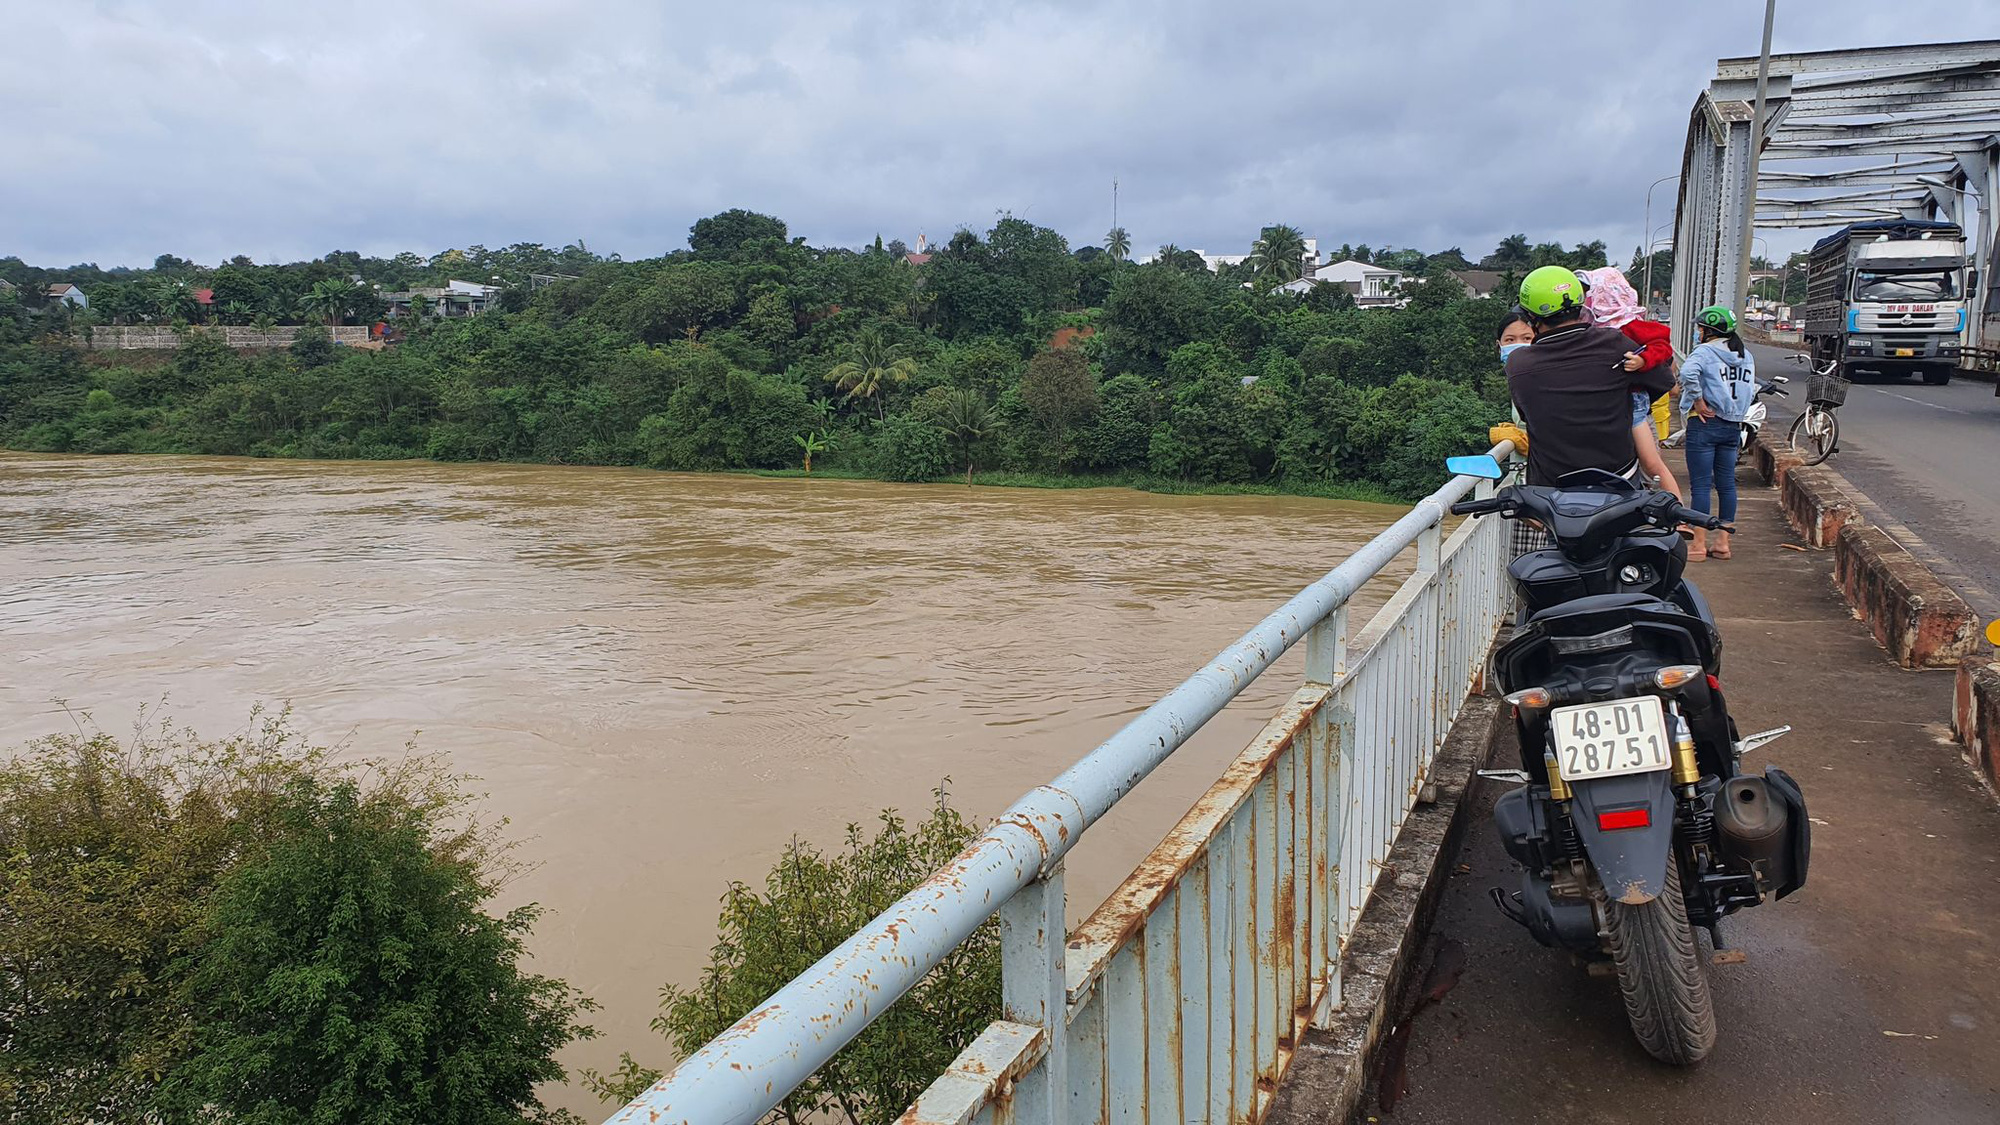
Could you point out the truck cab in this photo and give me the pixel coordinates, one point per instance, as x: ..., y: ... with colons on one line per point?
x: 1889, y: 298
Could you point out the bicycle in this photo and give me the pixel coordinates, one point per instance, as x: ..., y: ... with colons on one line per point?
x: 1815, y: 433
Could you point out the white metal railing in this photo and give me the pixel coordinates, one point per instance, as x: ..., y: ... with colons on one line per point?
x: 1183, y: 996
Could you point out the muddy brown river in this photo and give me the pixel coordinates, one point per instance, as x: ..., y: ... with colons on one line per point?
x: 659, y: 678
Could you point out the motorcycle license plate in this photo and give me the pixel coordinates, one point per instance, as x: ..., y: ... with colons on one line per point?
x: 1904, y: 351
x: 1608, y: 739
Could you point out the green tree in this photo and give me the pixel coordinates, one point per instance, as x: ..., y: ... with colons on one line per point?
x: 810, y: 903
x: 1513, y: 253
x: 329, y: 300
x: 732, y: 232
x: 348, y: 973
x: 911, y: 449
x: 1278, y: 255
x: 201, y: 928
x: 873, y: 364
x: 1117, y: 243
x: 966, y: 418
x: 1060, y: 392
x: 1150, y: 313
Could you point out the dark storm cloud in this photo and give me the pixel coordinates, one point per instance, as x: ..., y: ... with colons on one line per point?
x: 288, y: 130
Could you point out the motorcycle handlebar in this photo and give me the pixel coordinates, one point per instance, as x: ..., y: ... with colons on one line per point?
x: 1696, y: 519
x: 1476, y: 507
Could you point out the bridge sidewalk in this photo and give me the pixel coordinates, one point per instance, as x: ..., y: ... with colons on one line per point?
x: 1872, y: 995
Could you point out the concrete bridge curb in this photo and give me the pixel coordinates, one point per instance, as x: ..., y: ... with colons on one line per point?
x: 1975, y: 716
x: 1329, y: 1077
x: 1920, y: 621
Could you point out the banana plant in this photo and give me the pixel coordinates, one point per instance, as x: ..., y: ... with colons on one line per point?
x: 817, y: 441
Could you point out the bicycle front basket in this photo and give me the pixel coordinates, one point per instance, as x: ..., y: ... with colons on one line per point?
x: 1826, y: 390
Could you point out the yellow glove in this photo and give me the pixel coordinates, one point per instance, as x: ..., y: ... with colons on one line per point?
x: 1509, y: 432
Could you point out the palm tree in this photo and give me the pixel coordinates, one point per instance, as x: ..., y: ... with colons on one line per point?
x: 173, y: 300
x: 329, y: 299
x: 1117, y: 243
x: 966, y: 418
x: 1279, y: 255
x: 1513, y: 251
x: 818, y: 441
x: 235, y: 312
x: 871, y: 364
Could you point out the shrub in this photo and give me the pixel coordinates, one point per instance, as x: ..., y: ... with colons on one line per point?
x: 911, y: 449
x: 811, y: 903
x: 142, y: 902
x: 347, y: 973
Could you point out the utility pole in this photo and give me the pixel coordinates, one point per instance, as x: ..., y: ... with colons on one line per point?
x: 1756, y: 151
x: 1114, y: 203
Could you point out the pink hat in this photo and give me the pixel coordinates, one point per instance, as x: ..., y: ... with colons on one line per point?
x: 1611, y: 301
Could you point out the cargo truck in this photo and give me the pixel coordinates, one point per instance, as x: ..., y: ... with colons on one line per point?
x: 1889, y: 298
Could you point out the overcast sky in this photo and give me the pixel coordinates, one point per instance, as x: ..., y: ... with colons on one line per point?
x: 283, y: 131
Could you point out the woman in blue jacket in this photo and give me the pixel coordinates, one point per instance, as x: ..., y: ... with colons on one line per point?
x: 1718, y: 384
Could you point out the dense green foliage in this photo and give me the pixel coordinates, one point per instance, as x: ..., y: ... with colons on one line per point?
x: 242, y: 932
x: 811, y: 903
x: 728, y: 354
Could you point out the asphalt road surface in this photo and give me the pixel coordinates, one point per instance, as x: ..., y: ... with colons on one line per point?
x: 1929, y: 460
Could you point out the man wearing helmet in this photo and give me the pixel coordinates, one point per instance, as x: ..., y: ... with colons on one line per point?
x: 1571, y: 386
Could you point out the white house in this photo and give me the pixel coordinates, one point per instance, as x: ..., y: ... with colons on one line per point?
x: 69, y: 295
x: 1371, y: 285
x: 453, y: 299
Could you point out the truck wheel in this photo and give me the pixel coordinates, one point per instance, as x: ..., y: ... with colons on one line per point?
x: 1667, y: 1001
x: 1937, y: 376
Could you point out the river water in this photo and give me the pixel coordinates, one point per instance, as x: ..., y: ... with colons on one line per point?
x: 659, y: 678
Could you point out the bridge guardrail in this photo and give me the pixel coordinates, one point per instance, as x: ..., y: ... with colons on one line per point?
x: 1183, y: 996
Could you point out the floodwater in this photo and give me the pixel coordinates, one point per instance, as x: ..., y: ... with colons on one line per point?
x: 658, y: 678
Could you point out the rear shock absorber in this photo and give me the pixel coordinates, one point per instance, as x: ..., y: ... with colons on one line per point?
x: 1699, y: 825
x: 1559, y: 793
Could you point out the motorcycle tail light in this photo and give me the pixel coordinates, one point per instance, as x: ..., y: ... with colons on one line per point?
x: 1599, y: 642
x: 1615, y: 819
x: 1531, y: 699
x: 1675, y: 675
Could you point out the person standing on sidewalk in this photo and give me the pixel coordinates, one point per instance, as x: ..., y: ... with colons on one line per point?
x: 1718, y: 384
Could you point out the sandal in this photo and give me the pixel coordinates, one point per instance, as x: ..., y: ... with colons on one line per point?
x: 1721, y: 548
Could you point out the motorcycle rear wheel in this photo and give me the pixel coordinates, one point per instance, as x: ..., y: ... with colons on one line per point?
x: 1667, y: 1000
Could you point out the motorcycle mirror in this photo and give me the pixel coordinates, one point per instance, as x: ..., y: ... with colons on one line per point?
x: 1480, y: 465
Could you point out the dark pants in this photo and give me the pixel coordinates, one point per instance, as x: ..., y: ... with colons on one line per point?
x: 1711, y: 456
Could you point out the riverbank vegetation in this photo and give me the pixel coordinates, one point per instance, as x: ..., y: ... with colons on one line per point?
x: 1009, y: 352
x: 811, y: 902
x: 242, y: 931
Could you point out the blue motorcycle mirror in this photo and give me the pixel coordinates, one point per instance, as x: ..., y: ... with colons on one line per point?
x: 1481, y: 465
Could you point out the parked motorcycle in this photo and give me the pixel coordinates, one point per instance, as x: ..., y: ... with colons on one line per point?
x: 1633, y: 818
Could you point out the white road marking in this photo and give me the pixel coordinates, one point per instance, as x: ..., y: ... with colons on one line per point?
x: 1920, y: 402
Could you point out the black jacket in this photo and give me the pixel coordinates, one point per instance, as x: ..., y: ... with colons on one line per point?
x: 1576, y: 400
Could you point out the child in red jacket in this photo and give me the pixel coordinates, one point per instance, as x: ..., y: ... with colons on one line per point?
x: 1611, y: 301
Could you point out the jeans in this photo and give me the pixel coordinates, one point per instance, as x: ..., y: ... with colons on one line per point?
x: 1711, y: 456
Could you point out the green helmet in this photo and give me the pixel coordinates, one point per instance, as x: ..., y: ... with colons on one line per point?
x: 1551, y: 290
x: 1717, y: 318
